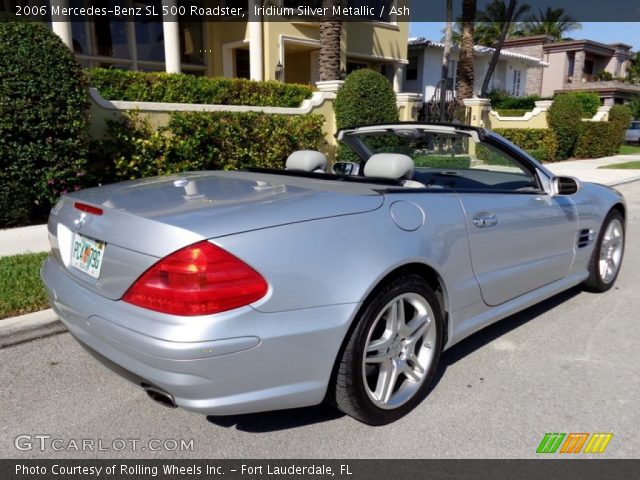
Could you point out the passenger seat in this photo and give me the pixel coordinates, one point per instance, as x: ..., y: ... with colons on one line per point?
x: 395, y: 166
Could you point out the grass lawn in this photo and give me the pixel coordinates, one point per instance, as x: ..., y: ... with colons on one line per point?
x: 624, y: 165
x: 626, y: 149
x: 21, y: 290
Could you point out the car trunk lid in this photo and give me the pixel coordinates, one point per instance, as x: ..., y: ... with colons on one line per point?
x: 144, y: 220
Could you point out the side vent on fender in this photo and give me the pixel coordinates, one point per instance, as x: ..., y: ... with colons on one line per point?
x: 585, y: 237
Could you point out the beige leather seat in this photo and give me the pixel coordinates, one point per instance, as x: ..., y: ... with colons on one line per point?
x: 395, y: 166
x: 307, y: 161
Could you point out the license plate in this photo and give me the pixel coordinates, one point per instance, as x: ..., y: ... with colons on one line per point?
x: 86, y: 255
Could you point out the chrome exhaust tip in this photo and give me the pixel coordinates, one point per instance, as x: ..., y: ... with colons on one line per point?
x: 159, y: 396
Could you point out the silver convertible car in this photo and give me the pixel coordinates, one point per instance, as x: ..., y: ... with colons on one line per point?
x: 233, y: 292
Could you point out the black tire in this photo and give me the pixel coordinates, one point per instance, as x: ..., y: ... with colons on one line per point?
x: 350, y: 392
x: 595, y: 282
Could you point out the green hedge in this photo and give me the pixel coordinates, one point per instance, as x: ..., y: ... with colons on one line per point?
x: 597, y: 139
x: 501, y: 100
x: 541, y: 143
x: 43, y: 122
x: 602, y: 139
x: 512, y: 112
x: 366, y: 98
x: 116, y: 84
x: 565, y: 119
x: 205, y: 141
x: 589, y: 102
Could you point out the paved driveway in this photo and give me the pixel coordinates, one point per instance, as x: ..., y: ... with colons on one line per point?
x: 568, y: 365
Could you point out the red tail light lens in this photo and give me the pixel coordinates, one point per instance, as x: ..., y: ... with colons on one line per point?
x: 83, y: 207
x: 201, y: 279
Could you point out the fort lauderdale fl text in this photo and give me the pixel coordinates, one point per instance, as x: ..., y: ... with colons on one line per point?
x: 284, y: 469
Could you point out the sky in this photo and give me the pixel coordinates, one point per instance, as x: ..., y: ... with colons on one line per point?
x: 611, y: 32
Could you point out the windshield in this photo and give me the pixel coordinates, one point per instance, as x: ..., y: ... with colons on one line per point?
x: 455, y: 159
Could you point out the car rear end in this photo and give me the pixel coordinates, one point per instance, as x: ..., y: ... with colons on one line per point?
x: 175, y: 311
x: 632, y: 135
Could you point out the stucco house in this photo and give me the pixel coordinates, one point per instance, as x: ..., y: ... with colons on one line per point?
x: 424, y: 70
x: 575, y: 65
x: 285, y: 50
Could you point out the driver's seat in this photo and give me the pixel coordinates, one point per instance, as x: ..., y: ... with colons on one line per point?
x: 395, y: 166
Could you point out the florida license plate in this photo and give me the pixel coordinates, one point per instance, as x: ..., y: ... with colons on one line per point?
x: 86, y: 255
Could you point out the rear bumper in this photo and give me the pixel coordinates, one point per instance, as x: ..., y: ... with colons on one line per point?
x: 236, y: 362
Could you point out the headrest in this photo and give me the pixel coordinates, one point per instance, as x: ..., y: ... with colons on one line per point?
x: 306, y: 161
x: 389, y: 165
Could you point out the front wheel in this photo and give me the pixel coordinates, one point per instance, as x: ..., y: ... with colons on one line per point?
x: 607, y: 254
x: 392, y: 354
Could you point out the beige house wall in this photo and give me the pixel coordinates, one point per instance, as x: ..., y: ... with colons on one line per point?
x: 555, y: 73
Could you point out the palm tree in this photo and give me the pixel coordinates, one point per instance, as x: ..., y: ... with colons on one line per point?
x: 464, y: 72
x: 445, y: 61
x: 507, y: 16
x: 491, y: 21
x: 330, y: 33
x: 553, y: 22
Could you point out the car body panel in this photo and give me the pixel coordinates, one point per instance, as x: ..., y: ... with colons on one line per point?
x: 533, y: 232
x: 632, y: 135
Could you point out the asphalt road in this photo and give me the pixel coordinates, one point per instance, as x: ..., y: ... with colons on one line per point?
x: 568, y: 365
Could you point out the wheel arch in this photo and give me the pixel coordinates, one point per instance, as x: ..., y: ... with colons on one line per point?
x: 620, y: 207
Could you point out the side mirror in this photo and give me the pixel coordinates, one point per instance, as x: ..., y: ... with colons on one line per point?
x: 345, y: 168
x: 565, y: 186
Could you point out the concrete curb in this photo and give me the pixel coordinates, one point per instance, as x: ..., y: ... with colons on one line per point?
x: 31, y: 326
x: 624, y: 182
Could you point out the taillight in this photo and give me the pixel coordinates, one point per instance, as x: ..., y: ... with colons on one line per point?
x: 83, y: 207
x: 201, y: 279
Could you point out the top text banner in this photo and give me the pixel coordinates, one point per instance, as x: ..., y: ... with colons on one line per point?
x: 386, y: 11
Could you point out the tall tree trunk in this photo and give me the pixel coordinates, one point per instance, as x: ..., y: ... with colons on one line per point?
x: 445, y: 59
x: 496, y: 53
x: 330, y: 35
x: 464, y: 84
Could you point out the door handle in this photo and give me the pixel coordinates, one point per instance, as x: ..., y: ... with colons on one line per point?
x: 485, y: 220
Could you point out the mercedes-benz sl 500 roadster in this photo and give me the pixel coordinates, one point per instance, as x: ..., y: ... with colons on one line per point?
x: 228, y: 292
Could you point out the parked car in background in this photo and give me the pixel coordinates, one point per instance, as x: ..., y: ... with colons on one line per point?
x: 229, y: 292
x: 633, y: 133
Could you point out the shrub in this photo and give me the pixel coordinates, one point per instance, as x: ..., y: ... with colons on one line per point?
x: 601, y: 139
x: 596, y: 140
x: 541, y: 143
x: 208, y: 141
x: 589, y: 102
x: 116, y: 84
x: 512, y: 112
x: 565, y: 119
x: 43, y: 122
x: 621, y: 115
x: 501, y: 100
x: 366, y: 98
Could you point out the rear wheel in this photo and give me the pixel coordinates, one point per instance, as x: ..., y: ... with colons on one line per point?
x: 392, y: 354
x: 607, y: 254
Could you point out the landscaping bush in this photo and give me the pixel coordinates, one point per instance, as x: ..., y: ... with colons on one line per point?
x: 541, y: 143
x: 366, y: 98
x: 589, y: 102
x: 208, y: 141
x: 597, y: 139
x: 565, y: 119
x: 601, y: 139
x: 43, y: 122
x: 501, y: 100
x: 116, y: 84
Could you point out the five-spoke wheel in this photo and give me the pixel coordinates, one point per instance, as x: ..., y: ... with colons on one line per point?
x: 392, y: 354
x: 607, y: 255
